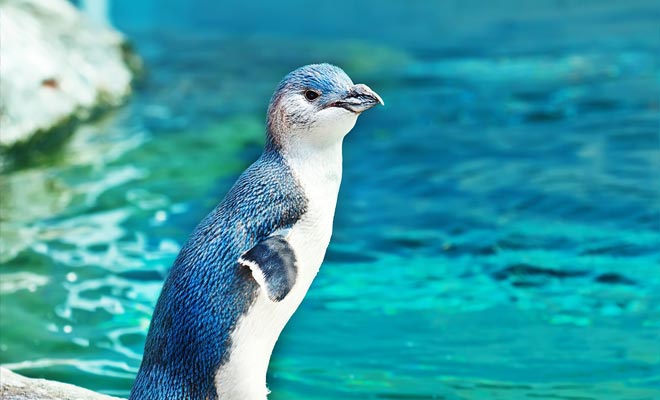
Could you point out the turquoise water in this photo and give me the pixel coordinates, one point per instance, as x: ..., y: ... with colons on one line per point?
x: 497, y: 233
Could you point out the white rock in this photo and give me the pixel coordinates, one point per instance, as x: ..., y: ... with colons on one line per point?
x: 55, y: 65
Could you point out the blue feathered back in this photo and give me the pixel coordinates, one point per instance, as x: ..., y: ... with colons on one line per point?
x: 206, y: 291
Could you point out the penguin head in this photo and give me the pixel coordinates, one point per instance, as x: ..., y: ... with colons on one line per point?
x: 317, y: 105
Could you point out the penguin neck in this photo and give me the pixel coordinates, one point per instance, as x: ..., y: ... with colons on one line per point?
x: 318, y: 168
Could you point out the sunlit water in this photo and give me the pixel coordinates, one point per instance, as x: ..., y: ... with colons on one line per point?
x: 497, y: 234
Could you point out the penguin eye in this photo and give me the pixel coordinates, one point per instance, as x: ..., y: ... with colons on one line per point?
x: 311, y: 95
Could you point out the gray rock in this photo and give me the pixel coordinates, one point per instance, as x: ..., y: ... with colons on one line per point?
x: 17, y: 387
x: 57, y: 68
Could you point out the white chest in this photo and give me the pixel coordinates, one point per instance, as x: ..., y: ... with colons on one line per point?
x: 253, y: 340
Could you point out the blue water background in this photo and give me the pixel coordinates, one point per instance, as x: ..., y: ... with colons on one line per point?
x: 498, y: 229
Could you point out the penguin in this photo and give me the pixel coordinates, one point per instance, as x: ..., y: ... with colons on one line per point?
x: 247, y: 266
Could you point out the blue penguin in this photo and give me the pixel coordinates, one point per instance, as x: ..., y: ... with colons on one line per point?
x: 249, y: 263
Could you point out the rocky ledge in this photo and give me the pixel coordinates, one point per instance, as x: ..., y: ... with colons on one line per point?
x: 17, y: 387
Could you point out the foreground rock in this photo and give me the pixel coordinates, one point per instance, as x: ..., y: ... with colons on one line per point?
x: 17, y: 387
x: 57, y: 69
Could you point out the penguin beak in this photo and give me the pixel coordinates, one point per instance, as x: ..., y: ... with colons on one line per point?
x: 357, y: 99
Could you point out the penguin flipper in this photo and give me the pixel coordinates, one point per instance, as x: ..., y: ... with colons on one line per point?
x: 273, y: 266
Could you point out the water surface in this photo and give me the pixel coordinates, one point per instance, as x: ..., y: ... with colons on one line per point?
x: 497, y: 233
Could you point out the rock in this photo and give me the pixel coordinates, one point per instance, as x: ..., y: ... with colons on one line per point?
x: 17, y: 387
x: 57, y: 69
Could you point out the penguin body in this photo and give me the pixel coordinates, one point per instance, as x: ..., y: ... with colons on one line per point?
x: 208, y: 291
x: 248, y: 265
